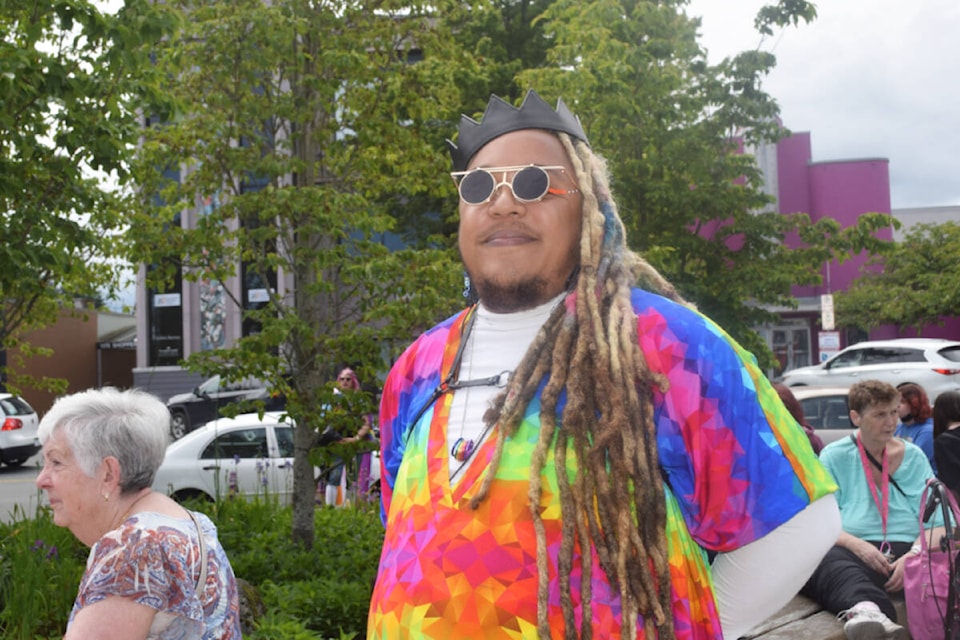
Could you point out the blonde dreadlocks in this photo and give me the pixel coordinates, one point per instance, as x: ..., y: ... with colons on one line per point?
x: 588, y: 349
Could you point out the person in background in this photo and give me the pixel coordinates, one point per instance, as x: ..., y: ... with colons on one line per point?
x: 155, y: 570
x: 556, y: 458
x: 881, y: 480
x: 336, y: 486
x: 796, y: 410
x: 347, y: 379
x: 946, y: 439
x: 916, y: 421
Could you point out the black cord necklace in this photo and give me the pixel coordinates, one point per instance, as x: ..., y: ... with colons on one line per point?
x: 463, y: 449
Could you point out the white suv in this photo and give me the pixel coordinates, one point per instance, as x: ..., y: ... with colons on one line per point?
x: 931, y: 363
x: 18, y: 431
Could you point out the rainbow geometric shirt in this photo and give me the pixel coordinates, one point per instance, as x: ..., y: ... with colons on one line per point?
x: 736, y: 466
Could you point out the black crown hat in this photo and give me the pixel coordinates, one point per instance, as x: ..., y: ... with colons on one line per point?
x: 501, y: 117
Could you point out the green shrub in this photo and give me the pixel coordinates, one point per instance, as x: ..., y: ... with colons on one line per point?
x: 327, y: 588
x: 40, y: 568
x: 317, y: 594
x: 326, y: 605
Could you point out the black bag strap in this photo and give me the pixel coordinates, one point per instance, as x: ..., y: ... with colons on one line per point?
x: 879, y: 466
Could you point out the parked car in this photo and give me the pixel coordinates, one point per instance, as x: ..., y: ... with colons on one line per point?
x: 931, y: 363
x: 826, y: 410
x: 18, y: 432
x: 203, y: 404
x: 245, y: 455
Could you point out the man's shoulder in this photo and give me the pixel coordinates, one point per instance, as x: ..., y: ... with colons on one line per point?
x: 429, y: 344
x: 661, y: 318
x: 644, y: 300
x: 438, y: 331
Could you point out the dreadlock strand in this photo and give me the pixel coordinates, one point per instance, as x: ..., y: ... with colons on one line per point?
x: 534, y: 493
x: 508, y: 407
x: 583, y: 503
x: 617, y: 287
x: 628, y: 602
x: 568, y: 533
x: 526, y: 378
x: 560, y: 367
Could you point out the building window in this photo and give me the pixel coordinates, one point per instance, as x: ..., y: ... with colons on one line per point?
x: 790, y: 342
x: 166, y: 325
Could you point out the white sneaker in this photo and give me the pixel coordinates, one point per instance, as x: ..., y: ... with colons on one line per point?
x: 865, y: 621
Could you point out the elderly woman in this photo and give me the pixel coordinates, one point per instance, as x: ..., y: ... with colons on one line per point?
x: 881, y: 480
x: 155, y: 570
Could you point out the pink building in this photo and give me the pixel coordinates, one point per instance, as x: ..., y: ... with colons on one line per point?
x: 842, y: 190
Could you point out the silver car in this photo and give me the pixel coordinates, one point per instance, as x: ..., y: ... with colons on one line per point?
x: 18, y: 431
x: 931, y: 363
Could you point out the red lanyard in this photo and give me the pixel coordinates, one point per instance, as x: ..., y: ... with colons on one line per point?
x: 882, y: 497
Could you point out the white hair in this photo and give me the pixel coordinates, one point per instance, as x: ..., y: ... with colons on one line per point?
x: 132, y: 426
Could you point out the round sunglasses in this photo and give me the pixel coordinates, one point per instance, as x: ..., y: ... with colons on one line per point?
x: 530, y: 183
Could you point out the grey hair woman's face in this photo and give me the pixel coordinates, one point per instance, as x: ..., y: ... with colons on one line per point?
x: 75, y: 497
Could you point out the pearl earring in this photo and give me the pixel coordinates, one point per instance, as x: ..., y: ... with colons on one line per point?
x: 106, y: 497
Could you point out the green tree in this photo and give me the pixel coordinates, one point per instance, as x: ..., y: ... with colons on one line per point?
x: 916, y: 285
x: 672, y: 127
x: 67, y: 77
x: 311, y: 126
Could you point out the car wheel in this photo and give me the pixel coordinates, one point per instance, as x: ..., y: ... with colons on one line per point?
x: 15, y: 463
x: 178, y: 425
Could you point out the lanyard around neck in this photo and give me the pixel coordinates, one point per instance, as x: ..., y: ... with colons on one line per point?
x: 881, y: 498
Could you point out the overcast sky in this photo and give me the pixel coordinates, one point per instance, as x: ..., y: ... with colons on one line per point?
x: 867, y: 79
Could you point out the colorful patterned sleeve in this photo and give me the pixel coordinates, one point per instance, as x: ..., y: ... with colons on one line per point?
x: 147, y: 566
x: 738, y: 464
x: 406, y: 396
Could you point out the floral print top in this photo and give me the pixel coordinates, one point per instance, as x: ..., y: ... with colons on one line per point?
x: 153, y: 559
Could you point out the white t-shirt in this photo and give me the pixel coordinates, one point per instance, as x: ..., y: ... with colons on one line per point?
x: 496, y: 344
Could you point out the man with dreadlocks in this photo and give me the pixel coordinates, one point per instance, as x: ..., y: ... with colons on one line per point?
x: 560, y: 460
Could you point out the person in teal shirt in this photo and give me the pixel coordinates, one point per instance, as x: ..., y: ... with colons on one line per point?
x: 881, y: 479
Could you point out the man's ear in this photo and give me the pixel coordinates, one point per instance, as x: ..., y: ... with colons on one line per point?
x: 855, y: 418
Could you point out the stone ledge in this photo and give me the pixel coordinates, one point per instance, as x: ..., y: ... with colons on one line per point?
x: 804, y: 618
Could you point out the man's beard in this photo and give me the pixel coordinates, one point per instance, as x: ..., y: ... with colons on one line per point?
x: 513, y: 296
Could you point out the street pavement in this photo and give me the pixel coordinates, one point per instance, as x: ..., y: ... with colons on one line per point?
x: 19, y: 491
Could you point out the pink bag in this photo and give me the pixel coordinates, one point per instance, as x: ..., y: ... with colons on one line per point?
x: 928, y: 576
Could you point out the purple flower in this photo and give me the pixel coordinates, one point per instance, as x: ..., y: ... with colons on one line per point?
x: 52, y: 553
x: 39, y: 544
x: 236, y: 458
